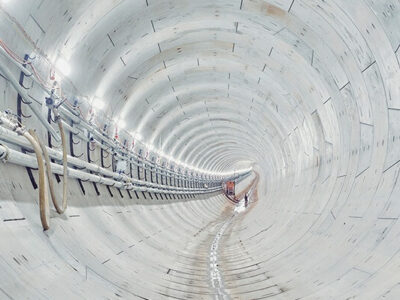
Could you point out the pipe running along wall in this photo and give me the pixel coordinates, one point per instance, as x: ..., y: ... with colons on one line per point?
x: 303, y: 92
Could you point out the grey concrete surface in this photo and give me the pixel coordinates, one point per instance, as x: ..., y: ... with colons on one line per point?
x: 304, y: 91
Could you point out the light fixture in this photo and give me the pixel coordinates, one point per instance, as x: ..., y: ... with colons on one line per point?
x: 98, y: 103
x: 120, y: 123
x: 63, y: 66
x: 138, y: 136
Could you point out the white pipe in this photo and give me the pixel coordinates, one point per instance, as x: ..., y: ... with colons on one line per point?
x: 28, y: 161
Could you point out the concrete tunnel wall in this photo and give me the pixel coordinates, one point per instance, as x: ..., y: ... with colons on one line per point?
x: 305, y: 91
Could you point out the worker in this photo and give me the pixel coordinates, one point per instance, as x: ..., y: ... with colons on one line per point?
x: 246, y: 200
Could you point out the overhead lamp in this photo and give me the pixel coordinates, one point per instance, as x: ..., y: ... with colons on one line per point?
x: 120, y: 123
x: 63, y: 66
x: 98, y: 103
x: 150, y: 148
x: 138, y: 136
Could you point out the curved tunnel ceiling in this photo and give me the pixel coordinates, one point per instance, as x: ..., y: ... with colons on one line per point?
x: 306, y: 92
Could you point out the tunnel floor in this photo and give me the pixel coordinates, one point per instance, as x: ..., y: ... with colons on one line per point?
x: 221, y: 259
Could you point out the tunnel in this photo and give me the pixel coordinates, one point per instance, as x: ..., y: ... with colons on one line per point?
x: 124, y: 122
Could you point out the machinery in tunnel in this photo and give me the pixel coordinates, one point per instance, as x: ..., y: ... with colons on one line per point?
x: 122, y: 123
x: 229, y: 188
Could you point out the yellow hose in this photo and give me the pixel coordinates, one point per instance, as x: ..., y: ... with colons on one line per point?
x: 43, y: 199
x: 50, y: 173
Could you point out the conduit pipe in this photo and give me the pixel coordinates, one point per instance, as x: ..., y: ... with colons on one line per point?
x: 26, y: 160
x: 11, y: 137
x: 129, y: 183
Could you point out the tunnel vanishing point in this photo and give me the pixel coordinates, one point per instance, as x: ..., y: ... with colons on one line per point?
x: 125, y: 123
